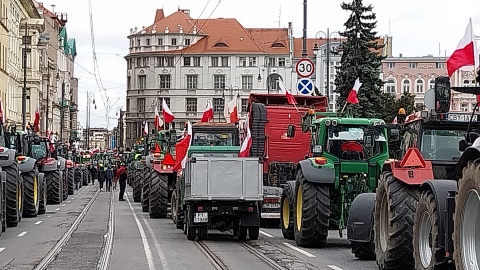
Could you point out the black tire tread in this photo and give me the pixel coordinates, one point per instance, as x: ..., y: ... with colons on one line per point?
x: 71, y: 181
x: 12, y: 181
x: 288, y: 192
x: 137, y: 185
x: 158, y: 197
x: 363, y: 250
x: 30, y: 207
x: 146, y: 190
x: 54, y: 187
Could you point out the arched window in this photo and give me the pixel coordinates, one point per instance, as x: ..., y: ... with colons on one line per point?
x: 465, y: 83
x: 419, y: 86
x: 272, y: 81
x: 431, y: 84
x: 406, y: 85
x: 390, y: 86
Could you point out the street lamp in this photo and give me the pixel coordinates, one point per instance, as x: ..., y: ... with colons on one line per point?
x: 316, y: 49
x: 90, y: 100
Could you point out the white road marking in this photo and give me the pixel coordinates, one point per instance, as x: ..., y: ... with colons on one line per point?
x: 56, y: 209
x: 334, y: 267
x: 22, y: 234
x: 63, y: 204
x: 2, y: 249
x: 266, y: 234
x: 69, y: 201
x: 38, y: 222
x: 146, y: 246
x: 310, y: 255
x: 48, y: 216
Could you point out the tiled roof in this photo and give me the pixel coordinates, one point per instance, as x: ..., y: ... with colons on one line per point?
x: 272, y: 40
x: 172, y: 21
x: 298, y: 45
x: 48, y: 13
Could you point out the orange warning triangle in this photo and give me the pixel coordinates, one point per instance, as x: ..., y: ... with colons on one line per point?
x: 157, y: 148
x: 168, y: 160
x: 413, y: 158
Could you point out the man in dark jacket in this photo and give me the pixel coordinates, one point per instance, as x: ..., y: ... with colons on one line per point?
x: 94, y: 173
x: 101, y: 176
x: 121, y: 176
x: 109, y: 177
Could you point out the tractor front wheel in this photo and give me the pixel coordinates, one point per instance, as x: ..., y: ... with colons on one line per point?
x: 286, y: 210
x: 32, y: 193
x: 14, y: 198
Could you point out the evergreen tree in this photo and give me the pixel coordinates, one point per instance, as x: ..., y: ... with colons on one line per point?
x: 361, y: 58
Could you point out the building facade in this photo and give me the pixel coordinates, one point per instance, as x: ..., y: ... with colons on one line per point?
x: 4, y: 52
x: 189, y: 62
x: 99, y: 138
x: 416, y: 75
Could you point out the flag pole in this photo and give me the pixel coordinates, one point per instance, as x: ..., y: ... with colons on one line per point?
x: 344, y: 106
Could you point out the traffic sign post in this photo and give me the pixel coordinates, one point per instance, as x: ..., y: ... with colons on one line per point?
x: 305, y: 86
x: 305, y: 68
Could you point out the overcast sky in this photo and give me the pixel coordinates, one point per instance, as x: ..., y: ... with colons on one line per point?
x: 418, y: 27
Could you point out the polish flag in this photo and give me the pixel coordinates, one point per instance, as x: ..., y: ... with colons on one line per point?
x: 394, y: 120
x: 167, y: 114
x: 247, y: 142
x: 208, y: 113
x: 352, y: 96
x: 36, y: 121
x: 1, y: 112
x: 158, y: 122
x: 181, y: 149
x: 233, y: 111
x: 145, y: 128
x: 290, y: 98
x: 463, y: 57
x: 226, y: 113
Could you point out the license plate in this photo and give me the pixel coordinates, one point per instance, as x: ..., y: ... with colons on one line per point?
x: 270, y: 215
x: 200, y: 217
x: 461, y: 117
x: 271, y: 205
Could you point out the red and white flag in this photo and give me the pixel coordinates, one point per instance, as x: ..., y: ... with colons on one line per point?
x: 247, y: 142
x: 145, y: 128
x: 208, y: 113
x: 158, y: 122
x: 167, y: 113
x: 1, y: 112
x: 290, y: 98
x: 352, y: 96
x: 233, y: 111
x: 394, y: 120
x: 36, y: 121
x: 463, y: 58
x: 181, y: 149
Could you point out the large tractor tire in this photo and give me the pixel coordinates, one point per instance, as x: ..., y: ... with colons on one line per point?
x: 395, y: 205
x: 85, y: 177
x: 146, y: 190
x: 177, y: 216
x: 42, y: 209
x: 158, y: 198
x: 71, y: 181
x: 137, y: 185
x: 14, y: 188
x: 286, y: 210
x: 311, y: 212
x: 65, y: 185
x: 54, y: 187
x: 31, y: 194
x: 466, y: 219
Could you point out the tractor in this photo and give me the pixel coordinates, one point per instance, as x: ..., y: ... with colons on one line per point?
x: 47, y: 164
x: 137, y: 170
x: 347, y: 155
x: 63, y: 151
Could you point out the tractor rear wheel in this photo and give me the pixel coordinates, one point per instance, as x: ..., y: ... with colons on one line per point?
x: 146, y: 190
x: 14, y: 198
x: 71, y: 181
x: 286, y: 210
x: 395, y: 205
x: 466, y: 238
x: 32, y: 193
x: 54, y: 187
x: 311, y: 212
x: 42, y: 209
x: 176, y: 211
x: 84, y: 177
x: 158, y: 198
x: 64, y: 175
x: 137, y: 185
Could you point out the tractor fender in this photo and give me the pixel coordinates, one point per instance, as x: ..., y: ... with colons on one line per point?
x: 61, y: 163
x: 470, y: 154
x: 360, y: 218
x: 50, y: 167
x: 320, y: 175
x: 149, y: 161
x: 10, y: 158
x: 440, y: 189
x: 27, y: 166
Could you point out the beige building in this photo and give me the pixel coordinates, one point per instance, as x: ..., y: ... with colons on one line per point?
x: 4, y: 42
x: 417, y: 75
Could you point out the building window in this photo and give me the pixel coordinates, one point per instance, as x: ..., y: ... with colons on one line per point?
x: 165, y: 61
x: 413, y: 65
x: 219, y: 81
x: 272, y: 82
x: 174, y: 41
x: 142, y: 81
x: 247, y: 82
x: 129, y: 64
x: 160, y: 41
x: 390, y: 65
x: 271, y: 62
x: 196, y: 61
x: 281, y: 62
x: 138, y: 42
x: 140, y: 104
x: 406, y: 86
x: 192, y: 81
x: 252, y: 61
x: 215, y: 61
x: 390, y: 87
x: 128, y: 104
x: 191, y: 105
x: 129, y: 82
x: 464, y: 107
x: 440, y: 65
x: 139, y: 62
x: 242, y: 61
x: 244, y: 105
x: 224, y: 61
x: 473, y: 107
x: 186, y: 61
x: 431, y: 84
x: 419, y: 86
x: 218, y: 104
x: 187, y: 42
x: 148, y: 41
x: 160, y: 103
x: 164, y: 81
x: 146, y: 62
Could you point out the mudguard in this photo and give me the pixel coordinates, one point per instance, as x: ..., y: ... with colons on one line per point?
x: 50, y: 167
x: 62, y: 164
x: 28, y: 165
x: 250, y: 218
x: 360, y: 218
x: 470, y: 154
x: 321, y: 175
x: 7, y: 158
x: 440, y: 189
x: 70, y: 164
x: 149, y: 161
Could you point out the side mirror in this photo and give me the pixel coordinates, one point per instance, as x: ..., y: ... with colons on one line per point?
x: 368, y: 140
x: 462, y: 145
x: 442, y: 94
x: 291, y: 131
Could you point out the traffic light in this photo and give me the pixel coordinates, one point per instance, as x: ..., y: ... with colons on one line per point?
x: 478, y: 76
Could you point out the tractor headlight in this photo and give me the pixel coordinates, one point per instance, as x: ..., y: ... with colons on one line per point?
x: 424, y: 114
x: 317, y: 149
x: 328, y: 122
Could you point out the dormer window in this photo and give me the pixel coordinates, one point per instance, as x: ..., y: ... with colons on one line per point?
x: 187, y: 42
x: 220, y: 44
x: 278, y: 45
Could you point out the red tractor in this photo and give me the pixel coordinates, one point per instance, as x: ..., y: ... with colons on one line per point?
x: 42, y: 149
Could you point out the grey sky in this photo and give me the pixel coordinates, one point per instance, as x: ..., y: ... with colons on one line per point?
x: 418, y: 28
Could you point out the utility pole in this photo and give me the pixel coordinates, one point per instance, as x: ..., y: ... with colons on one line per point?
x: 304, y: 38
x: 327, y: 91
x: 87, y: 124
x: 24, y: 90
x: 62, y: 109
x: 48, y: 95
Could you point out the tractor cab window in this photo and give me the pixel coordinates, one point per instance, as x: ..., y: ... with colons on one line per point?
x: 212, y: 139
x: 441, y: 144
x: 346, y: 142
x: 39, y: 151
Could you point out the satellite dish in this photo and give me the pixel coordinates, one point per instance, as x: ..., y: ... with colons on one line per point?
x: 429, y: 99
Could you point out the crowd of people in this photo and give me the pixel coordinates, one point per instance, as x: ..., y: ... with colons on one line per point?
x: 109, y: 176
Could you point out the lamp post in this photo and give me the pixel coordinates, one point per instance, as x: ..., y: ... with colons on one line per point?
x: 316, y: 49
x: 259, y: 78
x: 90, y: 100
x: 62, y: 108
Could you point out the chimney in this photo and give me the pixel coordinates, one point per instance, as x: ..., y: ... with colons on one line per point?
x: 401, y: 55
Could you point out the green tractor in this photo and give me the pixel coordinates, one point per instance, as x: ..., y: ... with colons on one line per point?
x: 136, y: 169
x: 346, y: 158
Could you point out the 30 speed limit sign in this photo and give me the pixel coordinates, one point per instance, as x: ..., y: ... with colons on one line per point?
x: 305, y: 68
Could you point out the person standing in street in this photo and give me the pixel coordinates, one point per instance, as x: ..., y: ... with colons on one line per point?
x: 94, y: 173
x: 108, y: 178
x: 101, y: 176
x: 121, y: 177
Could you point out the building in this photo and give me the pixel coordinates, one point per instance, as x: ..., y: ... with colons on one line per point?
x: 4, y: 50
x: 417, y: 75
x: 99, y: 138
x: 189, y: 62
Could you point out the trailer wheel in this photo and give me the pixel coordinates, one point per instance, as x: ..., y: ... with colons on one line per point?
x: 189, y: 231
x: 137, y: 185
x: 242, y: 233
x: 311, y: 212
x: 203, y: 232
x: 286, y: 210
x: 158, y: 198
x: 146, y: 190
x: 393, y: 224
x: 253, y: 232
x: 71, y: 181
x: 32, y: 193
x: 466, y: 238
x: 14, y: 198
x: 54, y: 187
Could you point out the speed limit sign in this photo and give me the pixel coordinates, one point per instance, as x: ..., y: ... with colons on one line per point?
x: 305, y: 68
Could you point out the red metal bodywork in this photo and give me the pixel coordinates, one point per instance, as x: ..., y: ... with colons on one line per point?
x: 70, y: 164
x: 46, y: 161
x: 412, y: 169
x: 279, y: 148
